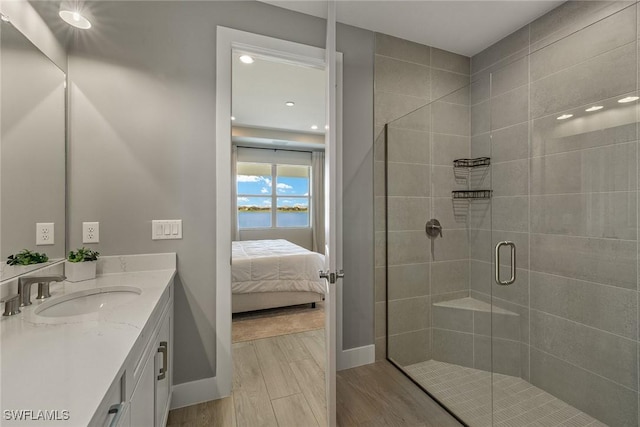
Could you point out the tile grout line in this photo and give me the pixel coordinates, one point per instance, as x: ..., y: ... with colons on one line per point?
x: 530, y: 152
x: 430, y: 65
x: 637, y: 317
x: 609, y: 380
x: 563, y: 277
x: 511, y: 385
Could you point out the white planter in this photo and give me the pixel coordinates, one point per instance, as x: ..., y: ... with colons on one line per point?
x: 79, y: 271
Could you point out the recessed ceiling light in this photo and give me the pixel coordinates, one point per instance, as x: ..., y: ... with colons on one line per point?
x: 232, y: 118
x: 289, y: 103
x: 246, y: 59
x: 314, y: 127
x: 75, y: 19
x: 565, y: 116
x: 326, y: 126
x: 4, y: 17
x: 627, y: 99
x: 594, y: 108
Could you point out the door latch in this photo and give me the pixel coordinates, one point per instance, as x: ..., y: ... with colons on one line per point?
x: 332, y: 277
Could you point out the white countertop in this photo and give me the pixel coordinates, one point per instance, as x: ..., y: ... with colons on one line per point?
x: 69, y: 363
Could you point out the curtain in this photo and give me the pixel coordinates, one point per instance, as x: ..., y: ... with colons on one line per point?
x: 235, y: 233
x: 317, y: 193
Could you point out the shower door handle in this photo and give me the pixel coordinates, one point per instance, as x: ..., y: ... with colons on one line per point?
x: 513, y: 263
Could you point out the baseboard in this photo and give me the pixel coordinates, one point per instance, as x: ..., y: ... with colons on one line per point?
x: 357, y: 356
x: 195, y: 392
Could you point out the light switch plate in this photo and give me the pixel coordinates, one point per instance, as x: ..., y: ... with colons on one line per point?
x: 44, y: 233
x: 166, y: 229
x: 90, y: 232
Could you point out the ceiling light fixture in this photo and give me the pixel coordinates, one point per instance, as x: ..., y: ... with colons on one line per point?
x: 565, y: 116
x: 289, y: 103
x: 232, y: 118
x: 75, y: 19
x: 594, y: 108
x: 314, y: 127
x: 627, y: 99
x: 246, y: 59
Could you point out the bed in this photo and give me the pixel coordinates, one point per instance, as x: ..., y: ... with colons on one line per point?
x: 274, y: 273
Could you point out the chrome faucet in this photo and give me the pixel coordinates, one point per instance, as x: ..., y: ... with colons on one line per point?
x: 24, y: 287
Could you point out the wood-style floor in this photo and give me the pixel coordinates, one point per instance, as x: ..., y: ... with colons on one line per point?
x: 279, y: 381
x: 255, y: 325
x: 380, y: 395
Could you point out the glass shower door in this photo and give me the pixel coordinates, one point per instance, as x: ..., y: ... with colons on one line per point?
x: 561, y: 132
x: 431, y: 196
x: 509, y: 228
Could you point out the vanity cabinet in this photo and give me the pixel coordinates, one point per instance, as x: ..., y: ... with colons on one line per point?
x: 141, y: 395
x: 142, y: 403
x: 163, y: 372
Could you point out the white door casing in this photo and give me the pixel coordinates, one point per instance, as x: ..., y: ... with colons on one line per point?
x: 228, y: 41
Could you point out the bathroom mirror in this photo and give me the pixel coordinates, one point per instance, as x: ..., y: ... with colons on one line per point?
x: 32, y: 151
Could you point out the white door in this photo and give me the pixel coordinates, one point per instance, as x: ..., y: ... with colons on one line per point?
x: 333, y: 194
x: 227, y: 40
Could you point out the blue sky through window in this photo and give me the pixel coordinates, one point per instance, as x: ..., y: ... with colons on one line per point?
x: 292, y: 186
x: 250, y: 185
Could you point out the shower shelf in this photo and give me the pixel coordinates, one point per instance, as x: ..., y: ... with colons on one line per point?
x: 472, y: 194
x: 472, y: 163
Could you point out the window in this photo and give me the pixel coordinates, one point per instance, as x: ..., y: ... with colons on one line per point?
x: 263, y: 187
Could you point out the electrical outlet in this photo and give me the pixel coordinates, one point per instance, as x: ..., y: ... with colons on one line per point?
x: 44, y: 234
x: 90, y: 232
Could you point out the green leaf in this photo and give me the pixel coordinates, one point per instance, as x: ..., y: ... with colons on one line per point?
x: 26, y: 257
x: 83, y: 255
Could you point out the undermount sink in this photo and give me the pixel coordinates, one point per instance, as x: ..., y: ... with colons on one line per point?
x: 88, y: 301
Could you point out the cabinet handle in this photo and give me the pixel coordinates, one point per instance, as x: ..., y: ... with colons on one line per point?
x: 163, y: 349
x: 117, y: 410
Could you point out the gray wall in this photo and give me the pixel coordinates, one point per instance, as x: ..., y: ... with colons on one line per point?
x: 142, y: 147
x: 421, y: 147
x: 357, y: 186
x: 566, y: 193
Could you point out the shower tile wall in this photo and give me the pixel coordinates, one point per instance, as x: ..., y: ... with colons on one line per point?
x: 566, y: 194
x: 409, y: 76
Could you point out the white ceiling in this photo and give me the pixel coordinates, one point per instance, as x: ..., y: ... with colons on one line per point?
x: 460, y: 26
x: 261, y: 89
x: 465, y: 27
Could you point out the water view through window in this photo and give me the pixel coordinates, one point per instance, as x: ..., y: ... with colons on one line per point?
x: 261, y: 187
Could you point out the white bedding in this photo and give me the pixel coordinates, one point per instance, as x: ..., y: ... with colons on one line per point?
x: 275, y: 266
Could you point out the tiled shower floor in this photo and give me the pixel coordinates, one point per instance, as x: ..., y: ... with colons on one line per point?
x: 466, y: 391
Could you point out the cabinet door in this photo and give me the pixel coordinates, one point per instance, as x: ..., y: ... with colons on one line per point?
x: 163, y: 370
x: 142, y: 410
x: 125, y: 419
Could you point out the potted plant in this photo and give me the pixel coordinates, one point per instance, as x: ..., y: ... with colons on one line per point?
x: 81, y: 265
x: 26, y: 257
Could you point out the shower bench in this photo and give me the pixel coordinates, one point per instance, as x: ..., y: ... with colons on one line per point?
x: 464, y: 330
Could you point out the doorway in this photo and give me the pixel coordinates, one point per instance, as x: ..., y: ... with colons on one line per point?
x: 267, y: 175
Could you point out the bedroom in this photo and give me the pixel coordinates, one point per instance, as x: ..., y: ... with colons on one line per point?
x: 277, y: 198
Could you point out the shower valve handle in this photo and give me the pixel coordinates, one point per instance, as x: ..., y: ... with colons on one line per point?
x: 433, y: 228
